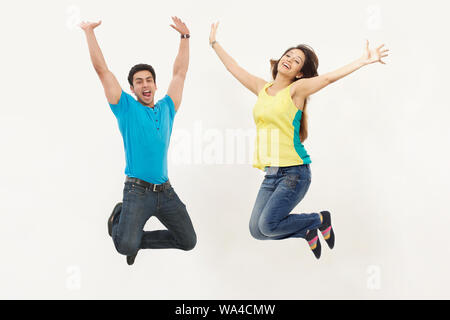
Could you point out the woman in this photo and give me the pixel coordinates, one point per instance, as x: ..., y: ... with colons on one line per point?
x: 281, y: 121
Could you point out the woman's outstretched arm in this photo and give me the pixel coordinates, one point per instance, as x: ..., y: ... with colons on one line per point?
x: 309, y: 86
x: 254, y: 84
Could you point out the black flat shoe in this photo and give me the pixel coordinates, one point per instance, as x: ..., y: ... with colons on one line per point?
x: 117, y: 209
x: 327, y: 230
x: 130, y: 259
x: 314, y: 243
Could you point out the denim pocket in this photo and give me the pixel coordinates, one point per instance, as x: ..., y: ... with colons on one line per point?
x: 137, y: 189
x: 269, y: 182
x: 302, y: 172
x: 171, y: 193
x: 291, y: 180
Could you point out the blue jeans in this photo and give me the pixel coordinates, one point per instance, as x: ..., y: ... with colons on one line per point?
x: 139, y: 205
x: 282, y: 189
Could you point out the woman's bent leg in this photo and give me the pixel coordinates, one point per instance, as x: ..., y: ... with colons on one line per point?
x: 275, y: 220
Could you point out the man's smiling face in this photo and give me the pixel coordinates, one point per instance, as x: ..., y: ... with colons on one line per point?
x: 144, y: 87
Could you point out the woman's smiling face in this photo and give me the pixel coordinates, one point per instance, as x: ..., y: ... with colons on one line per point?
x: 291, y: 63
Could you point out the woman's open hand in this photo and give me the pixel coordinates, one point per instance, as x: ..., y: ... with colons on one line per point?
x: 212, y: 35
x: 374, y: 55
x: 86, y: 25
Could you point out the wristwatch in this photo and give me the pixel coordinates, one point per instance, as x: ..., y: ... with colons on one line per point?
x: 185, y: 36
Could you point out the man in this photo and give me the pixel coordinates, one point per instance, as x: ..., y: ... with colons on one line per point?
x: 146, y: 127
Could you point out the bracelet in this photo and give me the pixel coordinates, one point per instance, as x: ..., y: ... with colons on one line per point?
x: 185, y: 36
x: 212, y: 44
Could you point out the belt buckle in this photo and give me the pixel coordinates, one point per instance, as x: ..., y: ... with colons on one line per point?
x: 154, y: 188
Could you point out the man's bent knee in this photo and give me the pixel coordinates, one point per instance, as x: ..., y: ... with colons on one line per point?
x: 189, y: 243
x: 126, y: 247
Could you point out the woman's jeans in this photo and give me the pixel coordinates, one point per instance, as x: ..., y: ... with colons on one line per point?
x: 139, y: 205
x: 282, y: 189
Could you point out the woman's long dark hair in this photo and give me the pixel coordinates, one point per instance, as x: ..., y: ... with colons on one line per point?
x: 309, y: 70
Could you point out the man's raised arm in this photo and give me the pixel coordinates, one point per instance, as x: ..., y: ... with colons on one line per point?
x: 181, y: 64
x: 109, y: 81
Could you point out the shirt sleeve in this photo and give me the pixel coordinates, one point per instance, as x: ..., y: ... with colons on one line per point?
x: 122, y: 106
x: 168, y: 100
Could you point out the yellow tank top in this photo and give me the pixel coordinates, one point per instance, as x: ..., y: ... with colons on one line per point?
x: 277, y: 122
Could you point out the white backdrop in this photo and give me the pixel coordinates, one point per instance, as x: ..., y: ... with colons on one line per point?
x: 378, y: 143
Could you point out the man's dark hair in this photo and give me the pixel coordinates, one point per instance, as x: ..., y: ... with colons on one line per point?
x: 140, y: 67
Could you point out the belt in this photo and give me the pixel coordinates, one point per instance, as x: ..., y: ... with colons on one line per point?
x: 148, y: 185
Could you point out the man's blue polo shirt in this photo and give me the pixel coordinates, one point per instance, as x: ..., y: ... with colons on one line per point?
x: 146, y: 135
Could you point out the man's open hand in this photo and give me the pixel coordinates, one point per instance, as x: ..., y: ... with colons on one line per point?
x: 179, y: 25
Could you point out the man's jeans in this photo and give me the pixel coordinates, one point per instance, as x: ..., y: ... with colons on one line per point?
x: 282, y: 189
x: 139, y: 204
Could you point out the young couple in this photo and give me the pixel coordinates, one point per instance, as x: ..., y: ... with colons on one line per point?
x: 281, y: 122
